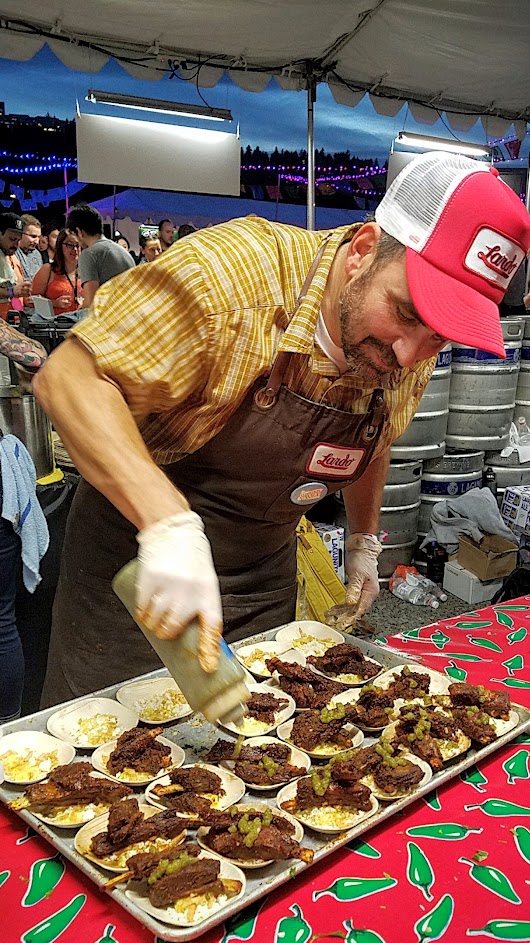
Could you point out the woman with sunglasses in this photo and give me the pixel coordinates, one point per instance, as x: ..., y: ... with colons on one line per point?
x: 59, y: 280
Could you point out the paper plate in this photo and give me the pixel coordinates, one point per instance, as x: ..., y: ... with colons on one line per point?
x: 348, y: 677
x: 75, y: 815
x: 101, y: 755
x: 84, y: 836
x: 448, y: 749
x: 136, y: 892
x: 298, y: 758
x: 439, y: 684
x: 327, y: 819
x: 103, y: 719
x: 251, y: 864
x: 35, y: 755
x: 155, y: 700
x: 253, y: 656
x: 234, y: 789
x: 310, y: 638
x: 323, y: 752
x: 384, y: 796
x: 250, y: 727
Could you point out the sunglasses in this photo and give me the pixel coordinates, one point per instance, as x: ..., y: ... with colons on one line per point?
x: 71, y: 245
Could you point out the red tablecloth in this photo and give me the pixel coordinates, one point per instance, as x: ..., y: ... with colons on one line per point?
x: 457, y: 862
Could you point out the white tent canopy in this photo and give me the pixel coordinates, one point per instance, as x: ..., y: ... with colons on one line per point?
x: 464, y: 57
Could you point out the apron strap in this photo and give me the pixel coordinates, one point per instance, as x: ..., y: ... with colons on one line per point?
x: 376, y: 416
x: 266, y: 397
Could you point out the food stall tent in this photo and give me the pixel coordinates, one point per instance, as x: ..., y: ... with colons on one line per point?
x: 461, y: 57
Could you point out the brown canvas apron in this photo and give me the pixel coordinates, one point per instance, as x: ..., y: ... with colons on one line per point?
x: 276, y: 457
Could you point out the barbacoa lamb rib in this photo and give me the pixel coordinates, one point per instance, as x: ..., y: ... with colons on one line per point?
x: 264, y: 707
x: 373, y: 707
x: 476, y: 724
x: 189, y: 788
x: 410, y: 684
x: 75, y: 784
x: 344, y: 659
x: 264, y: 765
x: 139, y: 750
x: 319, y: 790
x: 128, y: 826
x: 256, y: 834
x: 315, y: 728
x: 494, y: 703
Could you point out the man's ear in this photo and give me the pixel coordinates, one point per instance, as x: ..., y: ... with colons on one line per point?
x: 362, y: 247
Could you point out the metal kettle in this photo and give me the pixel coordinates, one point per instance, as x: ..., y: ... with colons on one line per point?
x: 21, y: 415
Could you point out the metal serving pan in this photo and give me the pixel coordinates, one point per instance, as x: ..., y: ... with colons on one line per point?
x: 195, y: 735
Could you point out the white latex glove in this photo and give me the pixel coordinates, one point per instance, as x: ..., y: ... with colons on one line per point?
x: 177, y: 583
x: 362, y: 551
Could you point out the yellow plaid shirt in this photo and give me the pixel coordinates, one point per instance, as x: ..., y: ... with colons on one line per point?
x: 186, y: 336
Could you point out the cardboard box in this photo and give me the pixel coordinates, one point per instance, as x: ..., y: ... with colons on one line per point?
x: 515, y: 508
x: 333, y: 540
x: 467, y: 586
x: 491, y: 559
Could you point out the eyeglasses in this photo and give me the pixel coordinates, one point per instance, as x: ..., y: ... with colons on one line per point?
x: 71, y: 245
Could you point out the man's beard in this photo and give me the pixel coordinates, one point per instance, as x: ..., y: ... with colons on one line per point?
x: 357, y: 352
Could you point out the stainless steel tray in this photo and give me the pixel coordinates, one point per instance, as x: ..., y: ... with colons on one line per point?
x: 195, y: 735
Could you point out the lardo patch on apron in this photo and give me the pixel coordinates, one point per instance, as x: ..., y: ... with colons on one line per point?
x: 334, y: 461
x: 309, y: 493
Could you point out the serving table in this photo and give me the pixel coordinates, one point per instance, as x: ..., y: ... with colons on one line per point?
x: 453, y: 865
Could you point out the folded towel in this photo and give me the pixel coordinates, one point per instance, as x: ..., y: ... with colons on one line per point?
x: 473, y: 514
x: 21, y: 507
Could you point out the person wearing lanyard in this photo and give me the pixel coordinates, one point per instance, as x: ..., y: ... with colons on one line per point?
x: 209, y: 399
x: 59, y: 280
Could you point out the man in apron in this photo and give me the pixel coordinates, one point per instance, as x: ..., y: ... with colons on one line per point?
x: 211, y: 397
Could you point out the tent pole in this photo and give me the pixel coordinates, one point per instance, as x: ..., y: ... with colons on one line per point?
x: 311, y: 98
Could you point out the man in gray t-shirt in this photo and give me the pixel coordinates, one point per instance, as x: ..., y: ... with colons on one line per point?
x: 100, y: 259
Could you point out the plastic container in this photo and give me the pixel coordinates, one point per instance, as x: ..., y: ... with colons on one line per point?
x: 414, y: 578
x: 220, y: 695
x: 412, y: 589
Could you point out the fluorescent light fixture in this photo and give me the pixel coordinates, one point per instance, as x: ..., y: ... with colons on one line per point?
x: 443, y: 144
x: 157, y: 104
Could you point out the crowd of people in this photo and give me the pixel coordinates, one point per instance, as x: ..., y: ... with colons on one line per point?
x: 67, y: 265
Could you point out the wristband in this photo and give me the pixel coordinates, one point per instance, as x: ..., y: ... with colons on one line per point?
x: 10, y: 291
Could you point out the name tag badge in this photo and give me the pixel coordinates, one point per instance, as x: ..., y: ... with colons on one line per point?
x: 334, y: 461
x: 309, y: 493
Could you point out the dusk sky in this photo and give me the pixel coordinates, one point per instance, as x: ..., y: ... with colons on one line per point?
x: 273, y: 118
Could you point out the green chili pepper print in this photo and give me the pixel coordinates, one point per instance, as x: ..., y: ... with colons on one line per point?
x: 463, y: 656
x: 349, y: 889
x: 499, y: 808
x: 512, y: 682
x: 381, y: 640
x: 44, y: 877
x: 293, y: 929
x: 472, y: 625
x: 411, y: 634
x: 242, y: 926
x: 516, y: 606
x: 436, y: 922
x: 492, y: 879
x: 4, y: 876
x: 433, y: 801
x: 522, y: 841
x: 473, y: 777
x: 523, y: 737
x: 516, y: 766
x: 30, y: 833
x: 439, y: 639
x: 458, y: 674
x: 354, y: 935
x: 503, y: 619
x: 419, y: 871
x: 504, y: 930
x: 50, y: 929
x: 445, y: 831
x: 362, y: 848
x: 108, y: 935
x: 518, y: 636
x: 516, y: 663
x: 484, y: 643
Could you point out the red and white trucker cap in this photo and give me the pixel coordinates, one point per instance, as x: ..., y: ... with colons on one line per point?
x: 466, y: 233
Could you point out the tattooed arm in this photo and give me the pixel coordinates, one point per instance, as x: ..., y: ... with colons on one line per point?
x: 23, y: 351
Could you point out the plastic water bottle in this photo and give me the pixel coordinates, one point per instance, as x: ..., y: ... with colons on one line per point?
x: 220, y: 695
x: 522, y: 426
x: 417, y: 595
